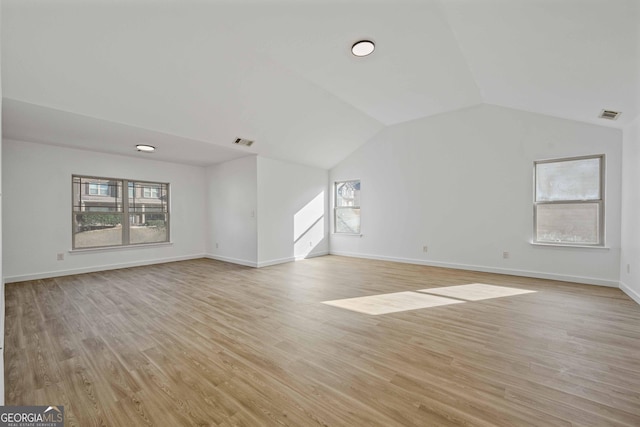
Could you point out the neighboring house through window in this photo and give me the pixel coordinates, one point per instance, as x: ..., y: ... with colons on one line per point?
x: 102, y: 217
x: 99, y: 189
x: 569, y: 201
x: 347, y: 207
x: 150, y: 192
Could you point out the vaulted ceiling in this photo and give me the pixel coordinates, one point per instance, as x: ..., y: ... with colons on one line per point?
x: 190, y: 76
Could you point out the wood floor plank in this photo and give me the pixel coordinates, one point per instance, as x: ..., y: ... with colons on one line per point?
x: 208, y: 343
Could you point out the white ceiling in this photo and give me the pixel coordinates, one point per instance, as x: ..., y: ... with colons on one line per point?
x: 190, y: 76
x: 29, y: 122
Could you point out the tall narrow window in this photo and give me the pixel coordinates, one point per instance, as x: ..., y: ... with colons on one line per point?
x: 347, y: 207
x: 149, y: 214
x: 104, y: 215
x: 569, y: 201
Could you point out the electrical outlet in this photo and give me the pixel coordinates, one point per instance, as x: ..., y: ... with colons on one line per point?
x: 217, y: 245
x: 61, y: 257
x: 311, y: 244
x: 425, y: 248
x: 505, y: 255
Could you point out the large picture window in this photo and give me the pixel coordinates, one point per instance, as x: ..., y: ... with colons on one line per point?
x: 347, y: 207
x: 103, y: 217
x: 569, y: 201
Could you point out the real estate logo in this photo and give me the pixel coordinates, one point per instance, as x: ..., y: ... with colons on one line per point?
x: 31, y: 416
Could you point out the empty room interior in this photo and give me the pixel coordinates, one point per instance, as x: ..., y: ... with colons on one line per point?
x: 335, y: 213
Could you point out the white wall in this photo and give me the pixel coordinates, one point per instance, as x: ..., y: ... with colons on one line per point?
x: 1, y: 272
x: 461, y: 183
x: 37, y: 210
x: 232, y: 209
x: 630, y: 279
x: 292, y: 211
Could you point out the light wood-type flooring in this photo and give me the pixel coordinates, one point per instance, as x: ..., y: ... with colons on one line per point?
x: 207, y: 343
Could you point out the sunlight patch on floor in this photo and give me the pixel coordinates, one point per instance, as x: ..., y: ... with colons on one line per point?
x: 425, y: 298
x: 475, y: 291
x: 391, y: 303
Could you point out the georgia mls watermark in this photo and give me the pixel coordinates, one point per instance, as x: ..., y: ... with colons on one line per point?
x: 31, y: 416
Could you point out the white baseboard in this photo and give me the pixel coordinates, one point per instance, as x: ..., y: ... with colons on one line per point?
x: 513, y: 272
x: 232, y: 260
x: 290, y: 259
x: 312, y: 255
x: 93, y: 269
x: 275, y: 261
x: 634, y: 295
x: 266, y: 263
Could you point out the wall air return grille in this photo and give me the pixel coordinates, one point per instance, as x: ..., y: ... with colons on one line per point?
x: 242, y: 141
x: 609, y: 114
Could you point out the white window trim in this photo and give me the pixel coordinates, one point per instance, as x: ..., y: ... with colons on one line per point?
x: 600, y: 202
x: 336, y: 208
x: 123, y: 247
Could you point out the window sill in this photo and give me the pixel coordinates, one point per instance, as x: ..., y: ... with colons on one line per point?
x: 565, y: 245
x: 119, y: 248
x: 347, y: 234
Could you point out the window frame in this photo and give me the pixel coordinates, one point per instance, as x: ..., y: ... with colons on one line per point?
x: 125, y: 212
x: 600, y: 202
x: 336, y: 208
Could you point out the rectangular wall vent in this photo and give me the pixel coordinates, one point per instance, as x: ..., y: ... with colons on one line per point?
x: 609, y: 114
x: 242, y: 141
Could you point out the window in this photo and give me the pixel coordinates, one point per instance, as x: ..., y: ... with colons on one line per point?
x: 113, y: 220
x: 569, y: 201
x: 150, y: 192
x: 347, y: 207
x: 99, y: 189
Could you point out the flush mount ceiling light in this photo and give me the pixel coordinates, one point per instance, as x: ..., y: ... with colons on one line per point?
x: 146, y: 148
x: 363, y: 48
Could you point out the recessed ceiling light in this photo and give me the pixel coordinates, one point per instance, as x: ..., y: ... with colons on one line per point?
x: 363, y: 48
x: 146, y: 148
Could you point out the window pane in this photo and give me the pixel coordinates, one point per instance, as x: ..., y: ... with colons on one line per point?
x: 568, y: 180
x: 347, y: 220
x: 96, y: 195
x: 148, y: 197
x: 348, y: 193
x: 568, y: 223
x: 97, y: 229
x: 147, y: 228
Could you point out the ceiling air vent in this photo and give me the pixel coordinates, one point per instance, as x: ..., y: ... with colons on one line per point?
x: 609, y: 114
x: 242, y: 141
